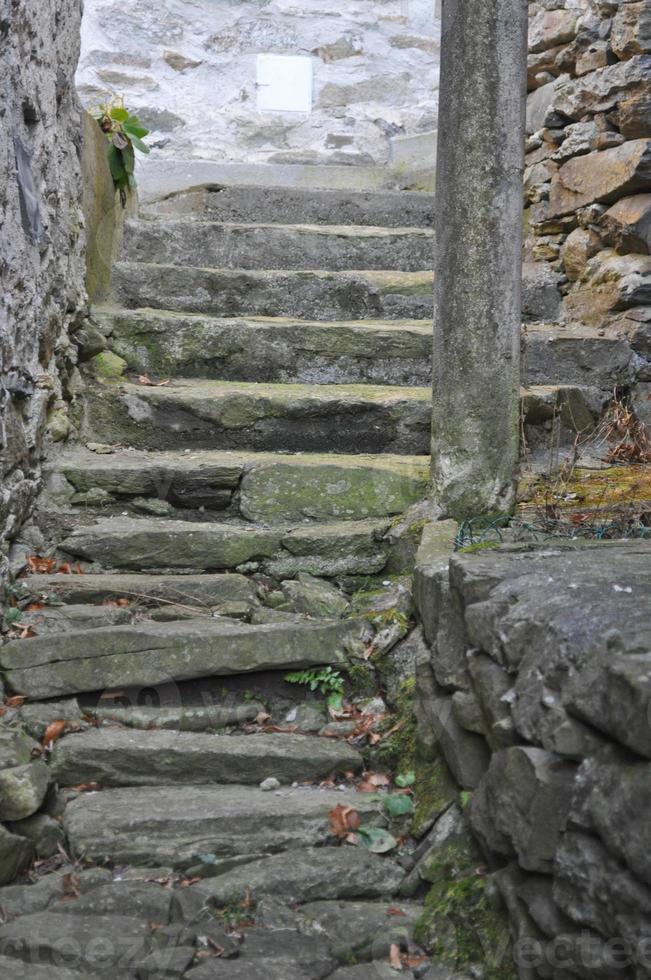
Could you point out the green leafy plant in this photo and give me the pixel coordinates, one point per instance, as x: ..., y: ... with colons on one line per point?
x: 398, y: 804
x: 376, y: 839
x: 125, y: 134
x: 327, y: 681
x: 405, y: 779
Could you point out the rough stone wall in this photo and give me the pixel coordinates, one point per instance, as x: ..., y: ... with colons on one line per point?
x: 588, y: 177
x: 189, y: 68
x: 41, y: 237
x: 533, y: 693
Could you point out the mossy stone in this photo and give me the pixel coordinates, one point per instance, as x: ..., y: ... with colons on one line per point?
x: 108, y: 365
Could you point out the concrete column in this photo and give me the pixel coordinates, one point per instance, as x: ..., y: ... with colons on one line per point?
x: 479, y: 255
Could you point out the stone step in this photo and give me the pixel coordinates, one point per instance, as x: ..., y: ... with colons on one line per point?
x: 148, y: 654
x: 315, y: 295
x: 257, y: 486
x: 297, y: 205
x: 189, y: 413
x: 203, y: 593
x: 352, y: 547
x: 295, y: 418
x: 172, y: 825
x: 122, y: 757
x: 396, y: 352
x: 309, y: 294
x: 278, y: 246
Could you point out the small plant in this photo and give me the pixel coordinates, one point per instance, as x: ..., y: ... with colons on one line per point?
x: 125, y: 135
x: 327, y: 681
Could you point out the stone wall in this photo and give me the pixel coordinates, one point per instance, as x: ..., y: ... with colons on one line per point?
x: 189, y: 69
x: 533, y: 699
x: 588, y: 177
x: 41, y: 239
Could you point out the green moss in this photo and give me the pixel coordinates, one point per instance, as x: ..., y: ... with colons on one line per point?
x: 434, y: 789
x: 397, y: 751
x: 471, y: 549
x: 459, y: 924
x: 106, y: 364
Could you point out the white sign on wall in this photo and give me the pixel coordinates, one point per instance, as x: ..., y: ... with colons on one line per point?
x: 284, y: 83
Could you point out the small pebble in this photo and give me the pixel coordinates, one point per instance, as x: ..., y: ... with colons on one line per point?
x: 270, y: 784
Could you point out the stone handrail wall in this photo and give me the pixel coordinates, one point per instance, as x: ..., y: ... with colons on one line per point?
x: 588, y: 176
x: 41, y: 240
x: 533, y: 693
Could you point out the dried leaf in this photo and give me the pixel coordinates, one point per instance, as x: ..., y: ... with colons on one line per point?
x: 261, y: 717
x: 71, y: 885
x: 17, y: 701
x: 343, y: 819
x: 286, y: 730
x: 54, y: 731
x: 395, y: 912
x: 34, y: 607
x: 144, y: 380
x: 88, y: 788
x: 39, y: 565
x: 65, y: 568
x: 394, y: 957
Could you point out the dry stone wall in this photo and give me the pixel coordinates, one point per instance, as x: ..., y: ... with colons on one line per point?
x: 588, y: 176
x: 189, y: 67
x: 533, y: 696
x: 41, y: 239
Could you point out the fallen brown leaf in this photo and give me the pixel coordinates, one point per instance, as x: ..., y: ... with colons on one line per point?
x: 262, y: 716
x: 54, y: 731
x: 39, y: 565
x: 394, y: 911
x: 34, y: 607
x: 15, y: 702
x: 343, y: 819
x: 394, y: 957
x: 87, y: 788
x: 65, y: 568
x: 144, y: 380
x: 71, y: 885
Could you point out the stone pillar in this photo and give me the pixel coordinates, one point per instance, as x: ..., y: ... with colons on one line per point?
x: 479, y: 255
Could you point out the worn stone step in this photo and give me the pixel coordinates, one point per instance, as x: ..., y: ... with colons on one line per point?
x: 396, y: 352
x: 219, y: 245
x: 313, y: 295
x: 275, y: 349
x: 120, y: 757
x: 309, y: 294
x: 149, y: 654
x: 258, y: 486
x: 209, y: 593
x: 308, y: 874
x: 231, y: 415
x: 142, y: 543
x: 302, y: 418
x: 297, y: 205
x: 172, y: 825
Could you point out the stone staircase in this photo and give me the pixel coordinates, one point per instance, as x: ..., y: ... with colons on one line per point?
x: 228, y: 514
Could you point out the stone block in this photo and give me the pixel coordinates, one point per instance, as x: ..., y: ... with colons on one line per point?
x: 627, y: 224
x: 522, y: 804
x: 610, y: 282
x: 602, y: 176
x: 550, y: 28
x: 631, y: 31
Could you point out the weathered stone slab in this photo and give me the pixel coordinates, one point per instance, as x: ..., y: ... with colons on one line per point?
x: 15, y: 854
x: 273, y: 968
x: 627, y: 225
x: 231, y: 415
x: 314, y: 295
x: 172, y: 825
x: 14, y: 969
x: 297, y: 205
x: 360, y: 931
x: 154, y: 543
x: 178, y: 718
x: 574, y: 354
x: 23, y: 789
x: 272, y: 349
x: 631, y: 31
x: 116, y: 757
x: 155, y: 653
x: 276, y: 246
x: 312, y: 873
x: 602, y: 177
x: 195, y: 591
x: 148, y: 901
x: 521, y: 805
x: 332, y: 487
x: 91, y: 944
